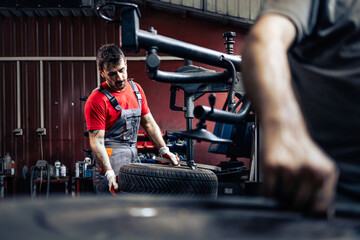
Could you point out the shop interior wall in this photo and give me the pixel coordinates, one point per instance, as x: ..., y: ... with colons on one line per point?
x: 66, y: 81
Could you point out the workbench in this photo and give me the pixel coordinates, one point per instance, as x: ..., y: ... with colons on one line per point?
x: 57, y: 180
x: 82, y: 184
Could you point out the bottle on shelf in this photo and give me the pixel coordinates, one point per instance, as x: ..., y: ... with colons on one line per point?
x: 12, y: 172
x: 63, y: 171
x: 57, y: 168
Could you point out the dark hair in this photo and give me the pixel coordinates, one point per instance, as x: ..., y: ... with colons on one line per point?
x: 109, y: 53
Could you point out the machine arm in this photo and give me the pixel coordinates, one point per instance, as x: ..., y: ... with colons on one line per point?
x: 181, y: 49
x: 207, y: 113
x: 133, y: 38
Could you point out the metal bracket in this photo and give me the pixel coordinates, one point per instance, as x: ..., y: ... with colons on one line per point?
x: 41, y: 131
x: 18, y: 131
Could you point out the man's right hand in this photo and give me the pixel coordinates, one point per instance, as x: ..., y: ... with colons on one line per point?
x: 111, y: 177
x: 297, y: 172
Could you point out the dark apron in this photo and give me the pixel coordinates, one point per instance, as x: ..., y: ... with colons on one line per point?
x: 120, y: 140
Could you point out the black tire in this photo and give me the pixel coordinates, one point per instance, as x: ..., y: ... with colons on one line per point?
x: 156, y: 179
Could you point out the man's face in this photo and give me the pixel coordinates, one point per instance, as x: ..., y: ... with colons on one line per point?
x: 115, y: 75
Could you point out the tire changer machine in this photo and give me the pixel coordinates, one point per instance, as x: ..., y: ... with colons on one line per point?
x: 236, y: 131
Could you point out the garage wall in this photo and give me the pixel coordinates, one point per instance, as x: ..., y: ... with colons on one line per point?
x: 44, y: 92
x: 47, y: 64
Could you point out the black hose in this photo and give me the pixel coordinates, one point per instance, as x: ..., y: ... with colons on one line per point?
x: 48, y: 180
x: 233, y: 73
x: 238, y: 103
x: 31, y: 180
x: 32, y: 172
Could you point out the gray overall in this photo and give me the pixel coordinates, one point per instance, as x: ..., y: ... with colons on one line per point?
x: 121, y: 138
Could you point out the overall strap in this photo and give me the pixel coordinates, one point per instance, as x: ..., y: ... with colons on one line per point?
x: 111, y: 98
x: 136, y: 91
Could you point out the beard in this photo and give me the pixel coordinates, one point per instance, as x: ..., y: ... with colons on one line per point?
x: 120, y: 85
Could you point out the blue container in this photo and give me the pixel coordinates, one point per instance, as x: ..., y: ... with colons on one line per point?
x: 221, y: 130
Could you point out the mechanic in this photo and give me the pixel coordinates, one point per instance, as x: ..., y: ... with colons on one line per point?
x: 301, y: 70
x: 113, y: 125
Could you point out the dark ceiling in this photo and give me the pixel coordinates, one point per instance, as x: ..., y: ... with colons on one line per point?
x: 76, y: 8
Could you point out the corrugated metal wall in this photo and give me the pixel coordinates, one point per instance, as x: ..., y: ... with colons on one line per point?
x: 245, y: 9
x: 45, y: 92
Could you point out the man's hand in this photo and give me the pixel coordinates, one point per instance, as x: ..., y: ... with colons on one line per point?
x: 154, y: 133
x: 110, y: 175
x: 165, y: 153
x: 296, y: 171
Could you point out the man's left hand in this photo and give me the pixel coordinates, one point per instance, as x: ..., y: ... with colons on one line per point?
x: 165, y: 153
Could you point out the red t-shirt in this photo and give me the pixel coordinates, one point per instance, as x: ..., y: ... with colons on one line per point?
x: 101, y: 115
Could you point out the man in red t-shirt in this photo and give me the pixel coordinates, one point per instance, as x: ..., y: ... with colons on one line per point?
x: 113, y: 114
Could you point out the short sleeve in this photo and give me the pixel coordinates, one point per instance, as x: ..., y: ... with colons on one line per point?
x: 303, y: 13
x: 95, y: 115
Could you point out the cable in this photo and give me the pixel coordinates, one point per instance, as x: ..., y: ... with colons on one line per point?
x: 47, y: 170
x: 41, y: 148
x: 41, y: 178
x: 48, y: 180
x: 238, y: 103
x: 229, y: 97
x: 31, y: 180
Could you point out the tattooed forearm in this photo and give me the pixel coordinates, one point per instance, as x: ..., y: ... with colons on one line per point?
x: 148, y: 117
x: 98, y: 148
x: 99, y: 158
